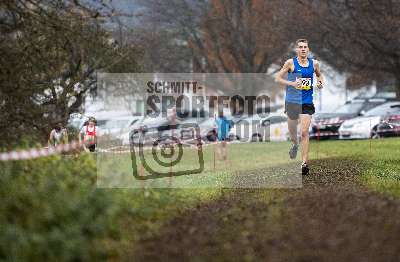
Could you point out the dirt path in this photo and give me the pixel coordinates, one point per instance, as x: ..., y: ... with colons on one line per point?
x: 332, y: 218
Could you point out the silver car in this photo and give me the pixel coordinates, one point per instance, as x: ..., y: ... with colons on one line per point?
x: 363, y: 127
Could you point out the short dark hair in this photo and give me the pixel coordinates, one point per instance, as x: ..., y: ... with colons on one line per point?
x: 301, y: 40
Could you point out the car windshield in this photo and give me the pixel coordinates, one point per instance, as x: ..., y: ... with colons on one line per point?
x: 250, y: 119
x: 384, y: 110
x: 369, y: 106
x: 277, y: 119
x: 101, y: 123
x: 118, y: 123
x: 387, y: 95
x: 197, y: 120
x: 208, y: 122
x: 350, y: 108
x: 150, y: 121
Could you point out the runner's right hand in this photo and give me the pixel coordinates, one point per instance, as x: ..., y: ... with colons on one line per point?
x: 297, y: 83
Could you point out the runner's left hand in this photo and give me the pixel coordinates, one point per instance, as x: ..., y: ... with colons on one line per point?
x: 319, y: 84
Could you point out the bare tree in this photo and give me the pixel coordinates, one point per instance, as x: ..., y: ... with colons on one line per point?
x: 219, y: 36
x: 50, y: 51
x: 361, y: 37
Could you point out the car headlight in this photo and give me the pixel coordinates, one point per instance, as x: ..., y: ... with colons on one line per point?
x: 334, y: 120
x: 346, y: 126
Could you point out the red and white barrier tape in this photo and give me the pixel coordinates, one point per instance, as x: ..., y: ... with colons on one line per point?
x: 126, y: 148
x: 64, y: 148
x: 329, y: 122
x: 39, y: 152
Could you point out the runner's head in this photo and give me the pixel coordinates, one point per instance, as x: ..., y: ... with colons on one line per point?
x: 58, y: 127
x: 302, y: 49
x: 91, y: 121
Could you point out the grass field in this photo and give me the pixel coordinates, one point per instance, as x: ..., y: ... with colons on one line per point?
x: 115, y: 170
x: 53, y: 207
x: 379, y: 159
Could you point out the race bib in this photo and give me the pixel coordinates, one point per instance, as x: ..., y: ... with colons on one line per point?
x: 305, y: 83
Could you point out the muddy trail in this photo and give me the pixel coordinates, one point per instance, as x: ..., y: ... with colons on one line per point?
x: 332, y: 218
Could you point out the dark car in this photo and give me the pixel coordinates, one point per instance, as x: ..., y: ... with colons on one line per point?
x: 390, y: 126
x: 383, y: 95
x: 326, y: 125
x: 152, y: 131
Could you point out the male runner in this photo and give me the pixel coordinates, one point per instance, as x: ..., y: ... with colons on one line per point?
x: 299, y: 105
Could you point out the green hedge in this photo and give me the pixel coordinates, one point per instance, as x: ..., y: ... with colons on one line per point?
x: 51, y: 210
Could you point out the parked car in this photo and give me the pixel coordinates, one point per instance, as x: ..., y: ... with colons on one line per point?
x: 189, y: 130
x: 150, y: 130
x: 389, y: 126
x: 116, y: 126
x: 326, y: 125
x: 385, y: 95
x: 365, y: 126
x: 255, y: 128
x: 208, y: 131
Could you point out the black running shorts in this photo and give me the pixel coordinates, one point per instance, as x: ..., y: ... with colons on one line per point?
x: 293, y: 110
x: 92, y: 148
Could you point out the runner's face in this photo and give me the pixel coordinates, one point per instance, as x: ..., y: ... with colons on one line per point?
x: 91, y: 123
x: 302, y: 50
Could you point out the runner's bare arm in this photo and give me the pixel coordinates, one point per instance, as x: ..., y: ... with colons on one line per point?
x: 50, y: 141
x: 317, y: 69
x: 65, y: 136
x: 81, y: 140
x: 281, y: 74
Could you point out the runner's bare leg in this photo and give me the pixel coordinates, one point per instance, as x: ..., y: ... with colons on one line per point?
x: 305, y: 121
x: 292, y: 126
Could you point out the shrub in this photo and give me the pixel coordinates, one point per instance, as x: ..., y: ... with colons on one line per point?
x: 51, y: 210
